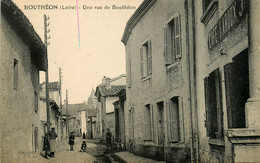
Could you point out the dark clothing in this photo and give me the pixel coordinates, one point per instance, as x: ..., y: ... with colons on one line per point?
x: 53, y: 135
x: 46, y: 143
x: 109, y: 139
x: 71, y: 139
x: 84, y: 146
x: 84, y: 135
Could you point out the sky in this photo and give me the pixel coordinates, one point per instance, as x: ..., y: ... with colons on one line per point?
x: 99, y: 52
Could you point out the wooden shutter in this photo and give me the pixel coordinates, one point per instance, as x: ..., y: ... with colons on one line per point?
x: 175, y: 121
x: 181, y: 119
x: 142, y: 62
x: 149, y: 57
x: 129, y: 80
x: 177, y: 37
x: 151, y: 122
x: 168, y: 120
x: 206, y: 91
x: 168, y: 47
x: 229, y: 94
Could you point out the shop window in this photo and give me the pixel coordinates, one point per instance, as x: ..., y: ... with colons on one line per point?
x: 237, y: 89
x: 148, y: 122
x: 213, y: 103
x: 172, y: 40
x: 146, y: 59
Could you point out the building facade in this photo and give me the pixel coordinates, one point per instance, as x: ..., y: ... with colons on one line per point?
x: 55, y: 111
x: 227, y: 70
x: 159, y: 98
x: 107, y: 94
x: 23, y: 55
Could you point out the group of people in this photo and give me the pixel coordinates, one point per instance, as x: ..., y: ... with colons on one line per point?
x: 49, y: 142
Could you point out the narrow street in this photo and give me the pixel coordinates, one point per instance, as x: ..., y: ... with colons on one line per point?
x: 96, y: 153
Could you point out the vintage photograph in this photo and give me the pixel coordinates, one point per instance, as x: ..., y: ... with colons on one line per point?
x: 130, y: 81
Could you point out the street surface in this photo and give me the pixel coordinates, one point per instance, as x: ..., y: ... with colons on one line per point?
x: 95, y: 153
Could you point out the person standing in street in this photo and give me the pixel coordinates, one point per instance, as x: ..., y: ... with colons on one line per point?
x: 109, y: 139
x: 52, y: 137
x: 71, y: 140
x: 46, y: 145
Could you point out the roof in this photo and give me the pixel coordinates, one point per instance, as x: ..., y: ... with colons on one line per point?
x: 136, y: 17
x: 109, y: 91
x: 114, y: 79
x: 52, y: 85
x: 24, y: 29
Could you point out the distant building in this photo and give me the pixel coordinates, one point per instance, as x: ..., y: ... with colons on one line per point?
x: 91, y: 114
x: 107, y: 94
x: 74, y: 120
x: 55, y: 111
x: 23, y: 55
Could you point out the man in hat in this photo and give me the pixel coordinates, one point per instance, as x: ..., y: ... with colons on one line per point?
x: 52, y: 137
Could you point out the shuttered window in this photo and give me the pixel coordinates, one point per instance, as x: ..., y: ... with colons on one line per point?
x: 129, y: 71
x: 173, y: 120
x: 131, y: 123
x: 213, y: 105
x: 172, y: 40
x: 148, y: 123
x: 146, y: 59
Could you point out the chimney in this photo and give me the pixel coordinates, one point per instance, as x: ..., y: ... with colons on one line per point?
x: 106, y: 80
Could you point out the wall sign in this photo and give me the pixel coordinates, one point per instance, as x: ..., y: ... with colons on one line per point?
x: 227, y: 21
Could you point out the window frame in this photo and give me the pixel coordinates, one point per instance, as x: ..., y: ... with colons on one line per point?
x: 146, y: 59
x: 148, y: 123
x: 218, y: 112
x: 172, y: 33
x: 208, y: 11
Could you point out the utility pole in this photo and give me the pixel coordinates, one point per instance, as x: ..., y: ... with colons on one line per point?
x: 67, y: 103
x: 46, y: 37
x: 60, y: 91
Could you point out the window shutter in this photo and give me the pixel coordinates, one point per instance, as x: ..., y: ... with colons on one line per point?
x: 141, y: 61
x: 168, y: 47
x: 175, y: 122
x: 168, y: 120
x: 152, y: 123
x: 129, y: 82
x: 177, y: 37
x: 180, y: 130
x: 207, y: 122
x: 150, y: 57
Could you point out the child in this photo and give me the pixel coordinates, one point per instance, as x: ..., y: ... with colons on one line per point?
x: 83, y: 146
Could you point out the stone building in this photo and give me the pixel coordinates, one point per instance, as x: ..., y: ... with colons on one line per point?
x: 91, y: 114
x: 23, y: 55
x: 159, y: 94
x: 228, y: 80
x: 107, y: 94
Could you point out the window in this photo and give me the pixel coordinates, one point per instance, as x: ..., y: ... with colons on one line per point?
x: 146, y: 59
x: 148, y: 122
x: 237, y: 89
x: 35, y: 101
x: 15, y: 77
x: 213, y: 103
x: 172, y: 40
x: 209, y: 7
x: 129, y: 75
x: 173, y: 120
x: 131, y: 123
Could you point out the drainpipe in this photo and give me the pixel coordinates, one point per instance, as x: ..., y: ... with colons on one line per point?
x: 190, y: 30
